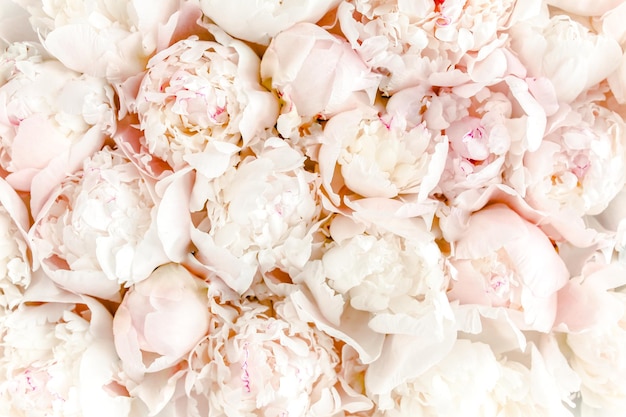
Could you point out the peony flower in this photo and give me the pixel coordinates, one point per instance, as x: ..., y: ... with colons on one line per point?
x: 381, y: 155
x: 160, y: 320
x: 97, y: 231
x: 598, y: 357
x: 51, y: 119
x: 579, y: 166
x: 316, y: 73
x: 259, y: 216
x: 257, y: 363
x: 110, y: 39
x: 263, y: 22
x: 418, y: 43
x: 56, y: 359
x: 490, y: 131
x: 498, y: 387
x: 199, y: 98
x: 15, y: 263
x: 376, y: 271
x: 567, y: 53
x: 502, y: 261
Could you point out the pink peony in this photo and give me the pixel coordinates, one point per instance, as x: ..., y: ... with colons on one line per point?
x: 502, y: 261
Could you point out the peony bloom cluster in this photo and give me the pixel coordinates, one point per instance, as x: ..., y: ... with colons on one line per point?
x: 330, y: 208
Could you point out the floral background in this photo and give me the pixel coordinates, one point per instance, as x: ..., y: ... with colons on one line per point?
x: 322, y: 208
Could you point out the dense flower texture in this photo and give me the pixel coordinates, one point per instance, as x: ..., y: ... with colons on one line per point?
x: 291, y: 208
x: 97, y: 231
x: 197, y: 94
x: 51, y: 117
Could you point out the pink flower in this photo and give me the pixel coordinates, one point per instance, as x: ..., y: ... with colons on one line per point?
x: 501, y: 260
x: 51, y: 119
x: 160, y: 320
x: 316, y: 72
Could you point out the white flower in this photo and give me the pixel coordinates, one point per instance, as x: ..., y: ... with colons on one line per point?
x: 48, y: 114
x: 567, y: 53
x: 258, y: 364
x: 579, y: 166
x: 97, y: 231
x: 472, y: 381
x: 413, y: 43
x: 111, y: 39
x: 257, y: 216
x: 56, y: 360
x: 382, y: 155
x: 197, y: 94
x: 259, y: 24
x: 599, y: 358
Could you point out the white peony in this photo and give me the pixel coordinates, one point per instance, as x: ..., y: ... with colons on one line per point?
x: 472, y: 381
x: 257, y: 361
x: 382, y: 155
x: 110, y: 39
x: 259, y: 216
x: 57, y: 359
x: 422, y: 42
x: 97, y: 231
x: 197, y: 95
x: 378, y: 272
x: 579, y: 166
x: 567, y: 53
x: 51, y: 118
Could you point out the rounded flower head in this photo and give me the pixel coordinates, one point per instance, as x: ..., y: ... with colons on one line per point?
x: 316, y: 73
x: 579, y: 166
x: 382, y: 155
x: 258, y: 364
x: 257, y: 216
x: 567, y: 53
x: 48, y: 113
x: 196, y: 93
x: 488, y: 135
x: 369, y: 283
x: 56, y: 359
x: 502, y: 260
x: 413, y: 43
x: 160, y: 320
x: 97, y: 230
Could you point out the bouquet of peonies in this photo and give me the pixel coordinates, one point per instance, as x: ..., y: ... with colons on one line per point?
x: 313, y: 208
